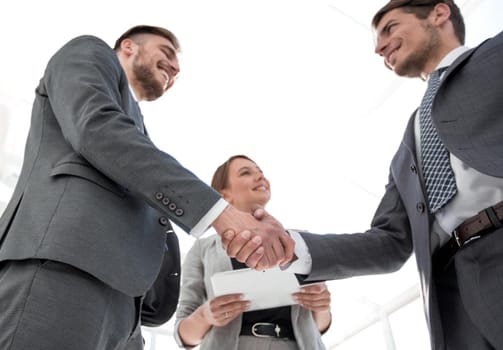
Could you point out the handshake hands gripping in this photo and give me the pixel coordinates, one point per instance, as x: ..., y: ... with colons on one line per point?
x: 258, y: 240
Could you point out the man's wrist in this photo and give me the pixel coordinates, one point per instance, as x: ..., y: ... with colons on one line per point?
x: 302, y: 262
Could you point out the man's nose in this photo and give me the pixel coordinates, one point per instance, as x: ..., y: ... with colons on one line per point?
x: 175, y: 67
x: 380, y: 46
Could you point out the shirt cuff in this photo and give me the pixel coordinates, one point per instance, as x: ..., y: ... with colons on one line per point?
x: 303, y: 264
x: 206, y: 221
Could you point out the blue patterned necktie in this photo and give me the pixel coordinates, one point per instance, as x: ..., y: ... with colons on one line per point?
x: 437, y: 171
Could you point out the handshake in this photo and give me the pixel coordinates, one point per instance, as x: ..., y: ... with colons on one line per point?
x: 258, y: 240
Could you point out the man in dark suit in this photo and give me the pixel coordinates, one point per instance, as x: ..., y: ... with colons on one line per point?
x: 456, y: 233
x: 84, y: 235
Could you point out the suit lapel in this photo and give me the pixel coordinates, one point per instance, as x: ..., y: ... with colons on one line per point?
x: 138, y: 116
x: 132, y: 109
x: 460, y: 61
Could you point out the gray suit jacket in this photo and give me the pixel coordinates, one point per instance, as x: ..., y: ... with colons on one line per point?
x: 94, y: 191
x: 468, y: 113
x: 205, y: 258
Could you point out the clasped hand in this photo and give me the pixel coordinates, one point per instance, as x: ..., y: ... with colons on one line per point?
x: 259, y: 241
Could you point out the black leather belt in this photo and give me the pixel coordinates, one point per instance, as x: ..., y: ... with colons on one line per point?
x: 474, y: 227
x: 268, y: 330
x: 484, y: 222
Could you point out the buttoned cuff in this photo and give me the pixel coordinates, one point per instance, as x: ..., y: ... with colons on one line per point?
x: 206, y: 221
x: 303, y: 264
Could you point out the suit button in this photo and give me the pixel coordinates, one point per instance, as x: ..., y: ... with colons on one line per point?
x: 165, y: 201
x: 179, y: 212
x: 413, y: 169
x: 159, y: 196
x: 420, y: 207
x: 172, y: 206
x: 163, y: 221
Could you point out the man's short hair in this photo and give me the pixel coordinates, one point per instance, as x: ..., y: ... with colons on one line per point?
x: 144, y: 29
x: 422, y: 8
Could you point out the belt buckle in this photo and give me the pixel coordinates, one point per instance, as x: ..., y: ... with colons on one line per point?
x: 456, y: 238
x: 277, y: 329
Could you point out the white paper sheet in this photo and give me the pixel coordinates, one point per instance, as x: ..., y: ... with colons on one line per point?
x: 265, y: 289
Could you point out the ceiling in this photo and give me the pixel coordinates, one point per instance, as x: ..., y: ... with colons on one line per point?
x: 294, y: 84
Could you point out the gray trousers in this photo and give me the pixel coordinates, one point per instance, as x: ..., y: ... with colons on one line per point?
x: 46, y: 305
x: 460, y: 333
x: 247, y: 342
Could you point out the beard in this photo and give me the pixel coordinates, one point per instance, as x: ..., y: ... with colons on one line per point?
x: 413, y: 66
x: 152, y: 88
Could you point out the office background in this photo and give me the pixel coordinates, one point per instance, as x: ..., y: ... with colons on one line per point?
x: 294, y: 84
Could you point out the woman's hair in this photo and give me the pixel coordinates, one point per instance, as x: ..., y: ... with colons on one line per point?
x: 220, y: 179
x: 421, y: 9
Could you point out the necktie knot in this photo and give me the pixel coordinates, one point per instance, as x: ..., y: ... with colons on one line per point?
x: 435, y: 75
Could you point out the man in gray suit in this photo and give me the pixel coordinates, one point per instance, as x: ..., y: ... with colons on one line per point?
x: 457, y: 234
x: 84, y: 235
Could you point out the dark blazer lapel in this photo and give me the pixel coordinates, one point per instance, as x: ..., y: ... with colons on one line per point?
x: 132, y: 109
x: 408, y: 137
x: 461, y: 60
x: 138, y: 116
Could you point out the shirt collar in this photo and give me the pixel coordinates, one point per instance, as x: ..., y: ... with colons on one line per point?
x: 452, y: 56
x: 447, y: 60
x: 132, y: 93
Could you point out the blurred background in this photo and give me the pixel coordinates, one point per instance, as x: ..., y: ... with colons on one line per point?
x: 293, y: 84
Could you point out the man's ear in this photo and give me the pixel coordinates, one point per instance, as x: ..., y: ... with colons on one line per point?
x: 128, y: 46
x: 440, y: 13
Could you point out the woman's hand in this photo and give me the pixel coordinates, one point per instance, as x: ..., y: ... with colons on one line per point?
x: 217, y: 312
x: 221, y: 310
x: 316, y: 297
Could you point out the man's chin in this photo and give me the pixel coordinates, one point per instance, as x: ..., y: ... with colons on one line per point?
x: 154, y: 92
x: 401, y: 72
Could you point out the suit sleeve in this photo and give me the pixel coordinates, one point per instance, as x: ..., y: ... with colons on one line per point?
x: 384, y: 248
x: 85, y: 85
